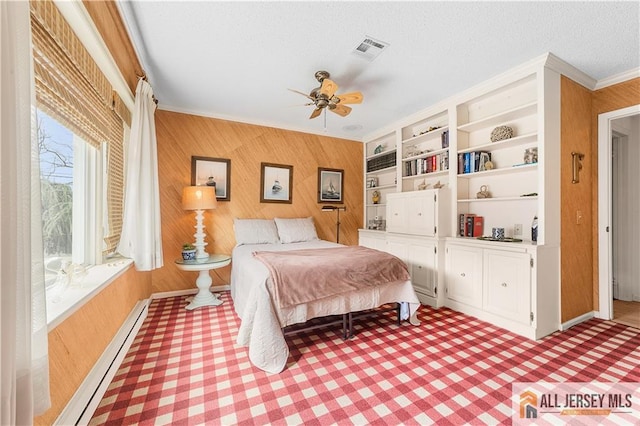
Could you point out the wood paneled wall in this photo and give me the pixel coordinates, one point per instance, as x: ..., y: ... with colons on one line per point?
x: 77, y: 343
x: 108, y: 21
x: 610, y: 98
x: 576, y: 238
x: 181, y: 136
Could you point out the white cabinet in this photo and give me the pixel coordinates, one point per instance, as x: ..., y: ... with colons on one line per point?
x: 495, y: 282
x: 464, y: 274
x: 507, y: 284
x: 422, y: 258
x: 372, y: 239
x: 418, y: 212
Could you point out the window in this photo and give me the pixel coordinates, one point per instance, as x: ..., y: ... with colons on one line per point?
x: 81, y: 126
x: 72, y: 199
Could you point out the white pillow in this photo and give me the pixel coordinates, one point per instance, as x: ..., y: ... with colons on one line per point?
x: 296, y: 230
x: 255, y: 231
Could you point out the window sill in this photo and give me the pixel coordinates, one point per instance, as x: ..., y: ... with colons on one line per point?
x: 97, y: 278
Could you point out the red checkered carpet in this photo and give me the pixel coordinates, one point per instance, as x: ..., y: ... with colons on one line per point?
x: 185, y: 368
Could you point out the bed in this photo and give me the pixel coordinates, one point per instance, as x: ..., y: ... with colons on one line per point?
x: 262, y: 319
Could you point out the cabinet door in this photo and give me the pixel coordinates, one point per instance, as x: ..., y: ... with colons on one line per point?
x: 423, y: 264
x: 378, y: 243
x: 421, y: 214
x: 396, y: 214
x: 464, y: 274
x: 397, y: 247
x: 507, y: 278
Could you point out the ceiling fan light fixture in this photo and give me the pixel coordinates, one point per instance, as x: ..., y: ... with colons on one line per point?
x: 324, y: 97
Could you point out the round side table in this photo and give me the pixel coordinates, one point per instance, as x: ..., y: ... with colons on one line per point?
x: 204, y: 297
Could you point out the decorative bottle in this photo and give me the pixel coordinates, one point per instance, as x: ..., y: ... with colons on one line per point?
x: 534, y: 229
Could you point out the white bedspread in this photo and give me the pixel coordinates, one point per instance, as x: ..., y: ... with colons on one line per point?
x: 262, y: 322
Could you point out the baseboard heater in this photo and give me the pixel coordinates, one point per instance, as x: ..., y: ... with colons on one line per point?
x: 84, y: 402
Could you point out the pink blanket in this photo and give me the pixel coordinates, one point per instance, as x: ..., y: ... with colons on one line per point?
x: 301, y: 276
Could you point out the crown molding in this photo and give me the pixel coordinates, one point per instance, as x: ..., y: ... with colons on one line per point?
x: 618, y: 78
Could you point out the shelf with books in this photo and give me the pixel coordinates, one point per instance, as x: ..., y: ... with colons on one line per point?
x: 441, y: 173
x: 426, y: 154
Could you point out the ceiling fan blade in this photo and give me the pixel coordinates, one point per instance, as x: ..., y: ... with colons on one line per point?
x: 341, y: 110
x: 316, y: 112
x: 328, y: 88
x: 301, y: 93
x: 350, y: 98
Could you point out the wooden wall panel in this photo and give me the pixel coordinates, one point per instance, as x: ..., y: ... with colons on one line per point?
x: 576, y: 238
x: 610, y: 98
x: 77, y: 343
x: 181, y: 136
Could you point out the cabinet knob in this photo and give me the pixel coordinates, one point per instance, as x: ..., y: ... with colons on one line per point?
x: 395, y: 214
x: 419, y: 214
x: 462, y: 274
x: 503, y: 284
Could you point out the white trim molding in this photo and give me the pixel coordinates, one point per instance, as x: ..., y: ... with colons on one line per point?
x: 85, y: 400
x: 577, y: 320
x: 618, y: 78
x: 605, y: 291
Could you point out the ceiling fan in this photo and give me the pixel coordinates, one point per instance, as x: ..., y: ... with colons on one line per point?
x: 325, y: 97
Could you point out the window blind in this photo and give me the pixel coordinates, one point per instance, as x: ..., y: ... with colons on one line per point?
x: 71, y: 88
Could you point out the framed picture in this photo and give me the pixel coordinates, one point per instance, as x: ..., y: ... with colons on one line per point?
x: 330, y: 185
x: 276, y: 183
x: 372, y: 182
x: 212, y: 172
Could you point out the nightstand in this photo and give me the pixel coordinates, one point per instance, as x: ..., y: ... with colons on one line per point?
x: 204, y: 297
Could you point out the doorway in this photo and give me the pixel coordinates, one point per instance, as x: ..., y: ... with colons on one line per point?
x: 618, y: 199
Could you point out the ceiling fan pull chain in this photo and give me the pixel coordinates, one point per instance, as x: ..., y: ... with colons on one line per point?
x: 325, y: 119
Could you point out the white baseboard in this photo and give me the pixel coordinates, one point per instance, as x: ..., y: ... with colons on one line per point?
x: 84, y: 402
x: 165, y: 294
x: 187, y: 292
x: 577, y: 320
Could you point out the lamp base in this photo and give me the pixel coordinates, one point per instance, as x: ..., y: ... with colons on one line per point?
x: 200, y: 244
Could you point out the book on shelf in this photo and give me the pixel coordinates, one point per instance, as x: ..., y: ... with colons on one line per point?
x: 478, y: 226
x: 381, y: 162
x: 467, y: 162
x: 460, y: 163
x: 445, y: 139
x: 468, y: 226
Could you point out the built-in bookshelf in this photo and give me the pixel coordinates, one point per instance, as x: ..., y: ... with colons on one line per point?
x: 380, y: 166
x: 507, y: 181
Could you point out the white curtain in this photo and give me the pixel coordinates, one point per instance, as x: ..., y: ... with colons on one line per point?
x: 24, y: 363
x: 141, y: 238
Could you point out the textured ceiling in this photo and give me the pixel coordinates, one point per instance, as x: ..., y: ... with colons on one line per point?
x: 236, y: 60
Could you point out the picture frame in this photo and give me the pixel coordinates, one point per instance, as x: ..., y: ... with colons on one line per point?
x: 330, y: 185
x: 372, y: 182
x: 276, y: 183
x: 209, y: 171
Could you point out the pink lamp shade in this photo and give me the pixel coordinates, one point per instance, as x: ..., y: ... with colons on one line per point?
x: 199, y: 198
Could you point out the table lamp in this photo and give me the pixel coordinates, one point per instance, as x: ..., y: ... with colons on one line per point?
x: 199, y: 198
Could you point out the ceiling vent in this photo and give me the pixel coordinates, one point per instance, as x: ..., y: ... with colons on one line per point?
x: 369, y: 48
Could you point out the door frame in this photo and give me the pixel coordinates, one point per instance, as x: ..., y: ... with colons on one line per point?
x: 605, y: 131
